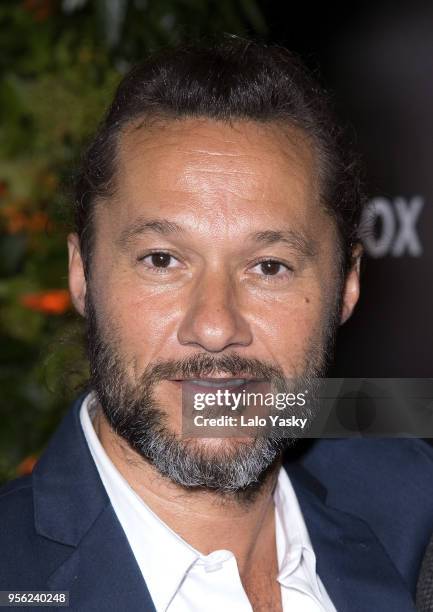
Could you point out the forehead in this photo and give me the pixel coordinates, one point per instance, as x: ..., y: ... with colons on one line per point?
x: 225, y: 172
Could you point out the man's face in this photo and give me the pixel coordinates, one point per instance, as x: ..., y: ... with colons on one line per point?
x: 214, y: 246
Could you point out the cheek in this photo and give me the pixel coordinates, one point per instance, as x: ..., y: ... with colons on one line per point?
x: 141, y: 321
x: 288, y: 328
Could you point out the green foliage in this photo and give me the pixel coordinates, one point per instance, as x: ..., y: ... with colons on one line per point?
x: 59, y: 63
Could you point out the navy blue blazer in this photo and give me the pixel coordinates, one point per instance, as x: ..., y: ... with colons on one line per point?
x: 367, y: 504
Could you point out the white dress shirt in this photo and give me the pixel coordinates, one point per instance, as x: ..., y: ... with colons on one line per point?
x: 181, y: 579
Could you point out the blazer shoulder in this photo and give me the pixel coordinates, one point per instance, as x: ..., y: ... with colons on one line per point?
x: 25, y: 482
x: 16, y: 513
x: 407, y: 455
x: 385, y: 482
x: 31, y: 558
x: 16, y: 502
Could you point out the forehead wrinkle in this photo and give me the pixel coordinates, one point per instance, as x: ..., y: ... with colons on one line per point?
x: 273, y: 138
x: 210, y: 153
x: 269, y: 139
x: 299, y: 156
x: 222, y: 171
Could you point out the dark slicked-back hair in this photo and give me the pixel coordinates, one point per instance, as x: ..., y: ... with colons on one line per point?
x: 233, y: 80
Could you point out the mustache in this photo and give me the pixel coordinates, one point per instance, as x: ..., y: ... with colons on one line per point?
x: 205, y: 365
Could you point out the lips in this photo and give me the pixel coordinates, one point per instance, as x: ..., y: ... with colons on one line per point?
x: 217, y: 382
x: 212, y: 384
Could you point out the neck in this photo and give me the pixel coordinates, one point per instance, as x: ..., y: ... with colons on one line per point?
x: 203, y: 518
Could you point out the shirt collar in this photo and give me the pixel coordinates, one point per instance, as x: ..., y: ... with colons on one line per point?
x: 293, y: 541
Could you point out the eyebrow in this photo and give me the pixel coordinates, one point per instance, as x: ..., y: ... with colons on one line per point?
x: 296, y: 240
x: 164, y: 227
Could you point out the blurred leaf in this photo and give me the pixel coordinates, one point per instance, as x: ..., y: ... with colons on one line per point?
x: 12, y: 251
x: 21, y: 323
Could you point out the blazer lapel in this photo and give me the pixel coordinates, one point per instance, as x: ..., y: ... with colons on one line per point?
x: 351, y: 562
x: 102, y: 572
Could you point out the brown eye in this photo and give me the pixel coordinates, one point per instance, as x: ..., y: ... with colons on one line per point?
x: 270, y: 268
x: 160, y: 260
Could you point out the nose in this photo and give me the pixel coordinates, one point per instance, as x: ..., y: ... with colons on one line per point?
x: 213, y: 319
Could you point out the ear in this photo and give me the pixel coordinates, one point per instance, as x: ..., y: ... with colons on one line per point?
x: 77, y: 280
x: 351, y: 288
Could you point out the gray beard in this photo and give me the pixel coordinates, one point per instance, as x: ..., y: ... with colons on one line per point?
x: 229, y: 468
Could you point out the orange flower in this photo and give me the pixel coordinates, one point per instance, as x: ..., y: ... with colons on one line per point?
x: 15, y: 220
x: 40, y: 9
x: 26, y: 466
x: 55, y: 301
x: 38, y: 222
x: 49, y: 181
x: 4, y: 188
x: 19, y: 221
